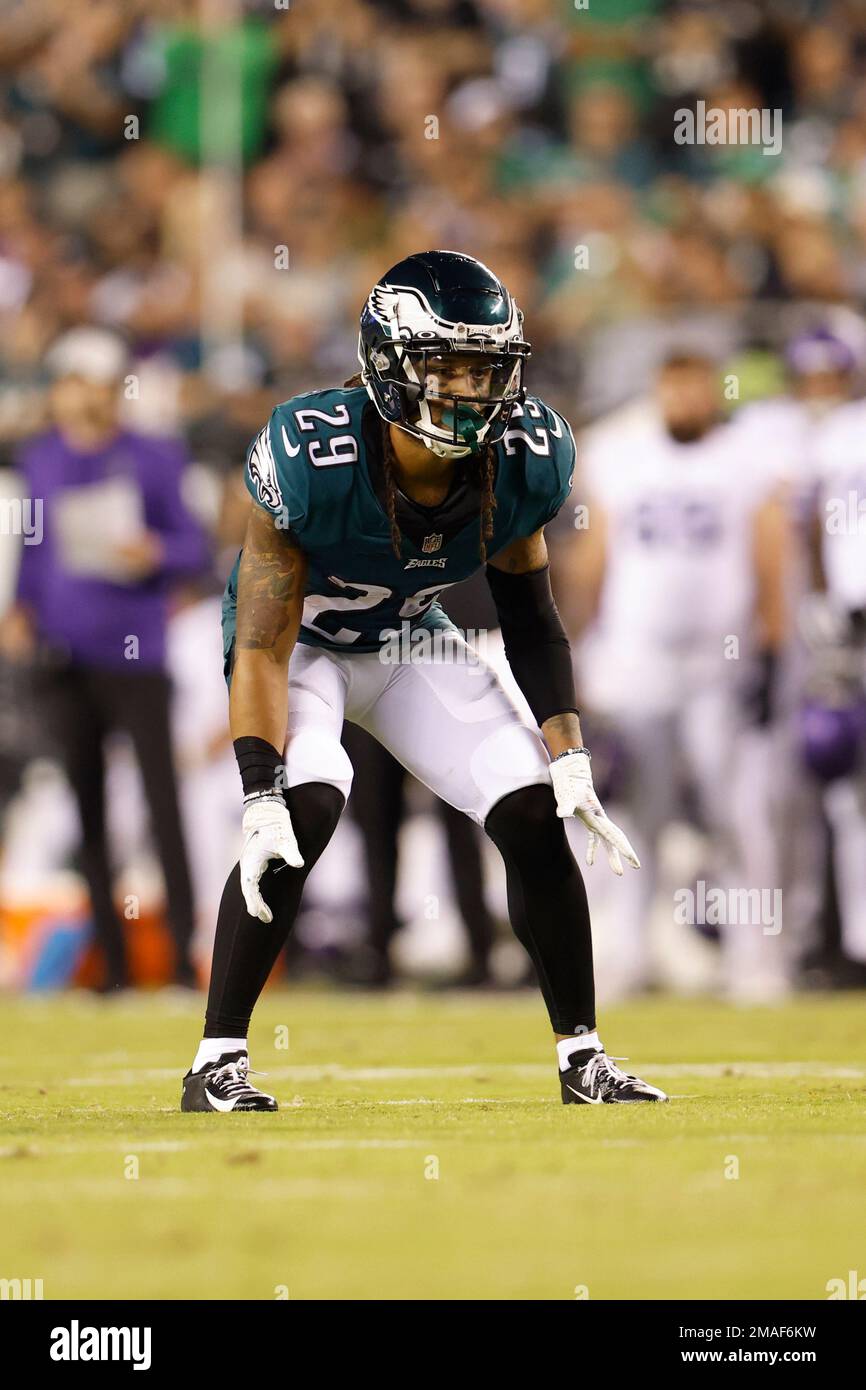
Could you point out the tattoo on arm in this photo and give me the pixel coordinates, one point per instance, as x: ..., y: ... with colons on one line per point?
x: 270, y: 586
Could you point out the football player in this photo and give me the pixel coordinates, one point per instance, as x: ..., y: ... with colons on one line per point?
x: 368, y: 501
x: 685, y: 551
x: 823, y: 368
x: 834, y: 620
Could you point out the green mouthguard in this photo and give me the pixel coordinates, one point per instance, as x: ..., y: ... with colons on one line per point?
x: 469, y: 422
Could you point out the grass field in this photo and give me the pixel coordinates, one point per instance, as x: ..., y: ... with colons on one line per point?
x: 337, y: 1195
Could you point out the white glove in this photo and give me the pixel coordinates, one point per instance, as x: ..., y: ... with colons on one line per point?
x: 571, y: 775
x: 268, y: 834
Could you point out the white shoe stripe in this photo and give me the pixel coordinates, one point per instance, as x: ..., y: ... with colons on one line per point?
x: 589, y: 1099
x: 217, y: 1103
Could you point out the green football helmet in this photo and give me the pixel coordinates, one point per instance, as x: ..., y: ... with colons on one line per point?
x: 442, y: 350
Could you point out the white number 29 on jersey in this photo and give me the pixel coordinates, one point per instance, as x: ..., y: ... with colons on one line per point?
x: 341, y: 448
x: 362, y: 598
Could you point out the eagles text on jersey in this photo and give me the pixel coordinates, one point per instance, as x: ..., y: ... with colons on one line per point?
x: 317, y: 468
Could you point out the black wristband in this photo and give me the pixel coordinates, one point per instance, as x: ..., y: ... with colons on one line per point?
x: 261, y: 766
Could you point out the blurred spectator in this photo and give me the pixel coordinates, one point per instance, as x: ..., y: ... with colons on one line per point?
x: 92, y: 600
x: 532, y: 134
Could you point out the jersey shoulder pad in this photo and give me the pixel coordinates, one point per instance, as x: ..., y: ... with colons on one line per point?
x: 302, y: 464
x: 543, y: 441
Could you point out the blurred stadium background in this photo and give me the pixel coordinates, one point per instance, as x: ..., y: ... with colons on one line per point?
x: 218, y: 183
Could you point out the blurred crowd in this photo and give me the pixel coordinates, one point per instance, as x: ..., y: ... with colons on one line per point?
x: 218, y: 183
x: 537, y: 134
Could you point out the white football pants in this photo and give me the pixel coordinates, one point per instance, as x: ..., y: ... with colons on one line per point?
x: 446, y: 718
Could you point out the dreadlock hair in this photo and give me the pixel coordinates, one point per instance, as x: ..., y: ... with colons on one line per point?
x: 483, y: 462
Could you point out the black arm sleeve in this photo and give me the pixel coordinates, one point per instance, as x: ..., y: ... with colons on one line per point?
x: 537, y: 648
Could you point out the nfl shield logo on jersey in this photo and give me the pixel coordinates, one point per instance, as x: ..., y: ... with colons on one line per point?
x: 431, y: 543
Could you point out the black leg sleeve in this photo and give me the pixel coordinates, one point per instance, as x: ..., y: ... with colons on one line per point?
x: 245, y: 949
x: 467, y: 872
x: 377, y: 804
x: 547, y: 903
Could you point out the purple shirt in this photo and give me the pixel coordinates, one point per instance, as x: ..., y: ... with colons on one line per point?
x: 90, y: 619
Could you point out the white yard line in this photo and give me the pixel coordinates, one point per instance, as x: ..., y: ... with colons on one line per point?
x: 130, y: 1076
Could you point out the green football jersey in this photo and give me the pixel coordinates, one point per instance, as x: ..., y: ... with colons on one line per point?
x: 317, y: 468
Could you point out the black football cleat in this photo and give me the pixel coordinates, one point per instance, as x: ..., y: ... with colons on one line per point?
x: 593, y: 1078
x: 224, y: 1085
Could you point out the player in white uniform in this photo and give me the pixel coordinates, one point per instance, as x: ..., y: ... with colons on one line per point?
x: 788, y: 429
x: 684, y: 553
x: 840, y: 530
